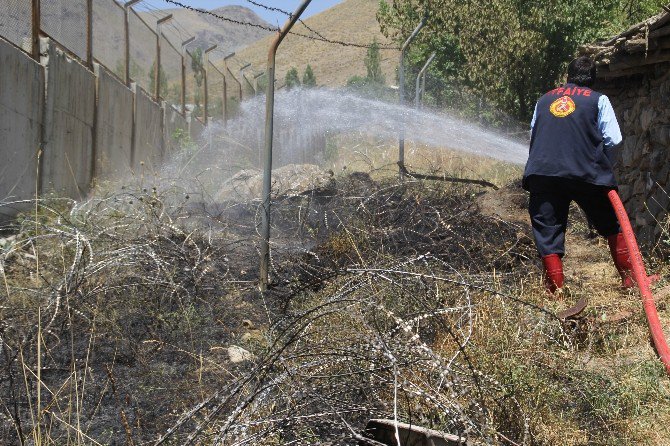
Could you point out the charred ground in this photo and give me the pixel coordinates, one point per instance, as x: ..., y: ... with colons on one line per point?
x: 414, y: 299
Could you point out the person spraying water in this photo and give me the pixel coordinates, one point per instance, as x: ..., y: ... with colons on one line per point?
x: 573, y: 135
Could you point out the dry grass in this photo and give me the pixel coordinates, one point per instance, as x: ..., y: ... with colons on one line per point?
x: 413, y: 300
x: 350, y: 153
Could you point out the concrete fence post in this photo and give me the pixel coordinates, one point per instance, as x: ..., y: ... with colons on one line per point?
x: 225, y: 99
x: 183, y: 73
x: 157, y: 67
x: 126, y: 31
x: 256, y: 81
x: 133, y: 132
x: 242, y: 77
x: 94, y: 137
x: 422, y: 73
x: 225, y: 82
x: 205, y: 66
x: 269, y: 129
x: 183, y: 84
x: 239, y: 83
x: 36, y: 25
x: 89, y: 33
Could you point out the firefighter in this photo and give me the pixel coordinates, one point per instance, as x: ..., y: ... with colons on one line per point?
x: 574, y: 133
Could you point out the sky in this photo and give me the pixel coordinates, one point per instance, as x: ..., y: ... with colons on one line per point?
x: 274, y: 18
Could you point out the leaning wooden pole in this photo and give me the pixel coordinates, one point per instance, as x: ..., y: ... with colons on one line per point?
x: 269, y: 123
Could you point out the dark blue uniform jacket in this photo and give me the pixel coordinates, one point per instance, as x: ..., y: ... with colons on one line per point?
x: 566, y: 141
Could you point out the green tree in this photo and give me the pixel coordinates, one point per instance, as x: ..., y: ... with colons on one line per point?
x: 308, y: 78
x: 373, y: 64
x: 357, y: 82
x: 198, y: 76
x: 292, y: 80
x: 510, y: 51
x: 633, y: 11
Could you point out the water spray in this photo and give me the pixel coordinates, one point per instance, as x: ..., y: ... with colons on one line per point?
x: 640, y: 276
x: 269, y: 116
x: 242, y: 76
x: 255, y: 86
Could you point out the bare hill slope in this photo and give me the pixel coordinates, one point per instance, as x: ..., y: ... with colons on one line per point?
x: 350, y: 21
x: 209, y: 30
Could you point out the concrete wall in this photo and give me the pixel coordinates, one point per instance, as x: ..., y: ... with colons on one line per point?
x: 114, y: 127
x: 69, y: 123
x: 197, y: 130
x: 642, y: 105
x: 21, y: 98
x: 85, y: 123
x: 148, y: 144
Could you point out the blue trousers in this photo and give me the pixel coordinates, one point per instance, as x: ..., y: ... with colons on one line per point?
x: 550, y: 199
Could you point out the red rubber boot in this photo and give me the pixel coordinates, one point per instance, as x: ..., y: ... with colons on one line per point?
x: 622, y: 261
x: 553, y: 272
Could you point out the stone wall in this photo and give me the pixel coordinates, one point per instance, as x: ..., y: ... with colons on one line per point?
x: 642, y: 104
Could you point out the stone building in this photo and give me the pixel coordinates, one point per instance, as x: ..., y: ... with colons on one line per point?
x: 634, y: 71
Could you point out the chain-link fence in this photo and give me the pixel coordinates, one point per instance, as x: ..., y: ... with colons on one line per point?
x: 234, y: 87
x: 142, y: 52
x: 195, y: 83
x: 109, y: 40
x: 15, y: 22
x: 247, y: 86
x: 66, y: 21
x: 170, y: 72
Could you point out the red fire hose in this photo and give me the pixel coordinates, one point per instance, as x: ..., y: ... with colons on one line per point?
x: 640, y: 276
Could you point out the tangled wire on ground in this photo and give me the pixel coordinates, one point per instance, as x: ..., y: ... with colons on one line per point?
x: 117, y: 315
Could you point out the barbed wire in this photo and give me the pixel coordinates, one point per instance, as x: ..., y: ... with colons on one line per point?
x: 273, y: 29
x: 286, y: 13
x: 158, y: 13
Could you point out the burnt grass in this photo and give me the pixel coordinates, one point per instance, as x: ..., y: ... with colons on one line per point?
x: 136, y: 297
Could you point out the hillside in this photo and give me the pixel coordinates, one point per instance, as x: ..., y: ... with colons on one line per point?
x: 209, y: 30
x: 350, y: 21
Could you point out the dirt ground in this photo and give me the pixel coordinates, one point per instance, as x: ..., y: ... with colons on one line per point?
x: 150, y: 354
x: 614, y: 315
